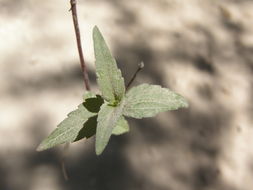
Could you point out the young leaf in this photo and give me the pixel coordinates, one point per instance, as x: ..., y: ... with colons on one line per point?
x: 121, y: 127
x: 90, y: 126
x: 147, y: 100
x: 79, y: 124
x: 109, y: 78
x: 68, y: 129
x: 108, y: 117
x: 88, y: 94
x: 94, y: 103
x: 89, y: 129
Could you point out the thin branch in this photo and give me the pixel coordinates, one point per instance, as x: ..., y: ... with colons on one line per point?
x: 140, y: 67
x: 79, y: 44
x: 73, y: 9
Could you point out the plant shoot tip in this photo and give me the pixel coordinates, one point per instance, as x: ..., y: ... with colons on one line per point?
x: 141, y: 65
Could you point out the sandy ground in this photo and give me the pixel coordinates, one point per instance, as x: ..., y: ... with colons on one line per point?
x: 202, y: 49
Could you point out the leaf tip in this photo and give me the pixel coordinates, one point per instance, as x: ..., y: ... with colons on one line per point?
x: 95, y: 27
x: 95, y: 30
x: 185, y: 103
x: 99, y: 150
x: 40, y: 148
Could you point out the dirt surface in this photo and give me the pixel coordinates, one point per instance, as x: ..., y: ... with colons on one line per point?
x: 202, y: 49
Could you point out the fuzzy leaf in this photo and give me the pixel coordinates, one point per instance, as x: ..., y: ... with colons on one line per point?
x: 89, y: 129
x: 147, y: 100
x: 108, y: 117
x: 68, y: 129
x: 121, y: 127
x: 94, y: 103
x: 79, y: 123
x: 90, y: 126
x: 109, y: 78
x: 88, y: 94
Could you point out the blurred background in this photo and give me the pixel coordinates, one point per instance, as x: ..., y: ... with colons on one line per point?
x: 202, y: 49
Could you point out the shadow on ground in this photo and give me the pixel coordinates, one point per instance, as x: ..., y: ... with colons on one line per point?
x: 199, y: 133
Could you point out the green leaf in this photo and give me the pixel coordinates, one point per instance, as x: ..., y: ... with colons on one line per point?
x: 68, y: 129
x: 147, y: 100
x: 121, y: 127
x: 79, y: 123
x: 109, y: 78
x: 89, y: 129
x: 88, y: 94
x: 108, y: 117
x: 90, y: 126
x: 93, y: 104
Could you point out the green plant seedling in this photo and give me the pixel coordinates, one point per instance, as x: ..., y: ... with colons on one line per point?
x: 104, y: 115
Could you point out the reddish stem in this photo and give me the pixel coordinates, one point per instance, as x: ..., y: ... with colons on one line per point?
x: 79, y: 44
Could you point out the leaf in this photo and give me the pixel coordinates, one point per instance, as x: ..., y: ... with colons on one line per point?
x: 90, y: 126
x: 89, y: 129
x: 93, y: 104
x: 81, y: 119
x: 108, y: 117
x: 109, y: 78
x: 121, y: 127
x: 147, y: 100
x: 68, y: 129
x: 88, y: 94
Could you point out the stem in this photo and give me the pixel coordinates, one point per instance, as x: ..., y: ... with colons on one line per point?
x: 65, y: 152
x: 140, y: 67
x: 79, y: 44
x: 84, y: 71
